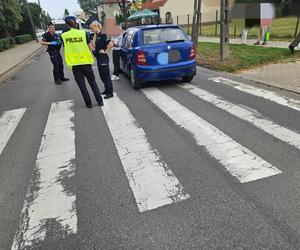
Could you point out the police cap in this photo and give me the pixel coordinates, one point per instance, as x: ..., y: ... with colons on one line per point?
x: 70, y: 18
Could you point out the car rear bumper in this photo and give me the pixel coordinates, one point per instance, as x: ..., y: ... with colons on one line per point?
x: 159, y: 73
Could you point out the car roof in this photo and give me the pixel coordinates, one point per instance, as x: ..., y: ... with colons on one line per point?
x: 148, y: 27
x: 61, y: 21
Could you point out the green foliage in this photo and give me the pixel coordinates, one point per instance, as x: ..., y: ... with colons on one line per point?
x: 10, y: 17
x: 120, y: 18
x: 23, y: 39
x: 6, y: 43
x: 89, y: 6
x: 36, y: 14
x: 45, y: 18
x: 242, y: 56
x: 12, y: 41
x: 281, y: 29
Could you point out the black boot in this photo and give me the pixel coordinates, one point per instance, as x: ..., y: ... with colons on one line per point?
x: 107, y: 96
x: 64, y: 79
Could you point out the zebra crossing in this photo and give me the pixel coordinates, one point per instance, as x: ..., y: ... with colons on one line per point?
x: 8, y: 123
x: 53, y: 163
x: 151, y: 180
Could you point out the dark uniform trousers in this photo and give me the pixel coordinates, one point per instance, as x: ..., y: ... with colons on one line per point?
x: 82, y: 71
x: 58, y: 65
x: 116, y: 61
x: 103, y: 67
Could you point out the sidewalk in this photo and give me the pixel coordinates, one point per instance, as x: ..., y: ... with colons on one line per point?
x: 14, y: 59
x: 282, y: 75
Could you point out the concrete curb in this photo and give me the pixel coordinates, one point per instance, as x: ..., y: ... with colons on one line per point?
x: 240, y: 78
x: 11, y: 72
x: 270, y: 84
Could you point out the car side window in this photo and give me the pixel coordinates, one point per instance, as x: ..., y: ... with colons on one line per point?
x: 124, y: 40
x: 128, y: 40
x: 131, y: 39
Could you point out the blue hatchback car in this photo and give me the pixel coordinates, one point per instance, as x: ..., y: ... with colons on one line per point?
x: 156, y: 53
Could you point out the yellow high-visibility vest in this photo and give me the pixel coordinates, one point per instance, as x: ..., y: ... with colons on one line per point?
x: 76, y: 49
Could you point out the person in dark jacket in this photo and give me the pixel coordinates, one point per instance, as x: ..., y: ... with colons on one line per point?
x: 102, y: 46
x: 52, y: 40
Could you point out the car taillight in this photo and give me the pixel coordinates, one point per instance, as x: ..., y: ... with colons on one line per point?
x: 140, y: 58
x: 193, y: 53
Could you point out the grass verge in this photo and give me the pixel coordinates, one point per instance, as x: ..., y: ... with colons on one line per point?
x: 242, y: 56
x: 282, y: 29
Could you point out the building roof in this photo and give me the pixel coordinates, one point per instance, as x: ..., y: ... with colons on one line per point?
x: 154, y: 4
x: 113, y: 1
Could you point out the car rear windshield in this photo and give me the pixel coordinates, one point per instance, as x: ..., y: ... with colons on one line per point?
x: 163, y: 35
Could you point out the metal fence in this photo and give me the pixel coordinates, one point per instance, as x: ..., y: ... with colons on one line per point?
x: 210, y: 25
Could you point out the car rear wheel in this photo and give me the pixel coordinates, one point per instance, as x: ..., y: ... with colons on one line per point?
x: 136, y: 83
x: 187, y: 79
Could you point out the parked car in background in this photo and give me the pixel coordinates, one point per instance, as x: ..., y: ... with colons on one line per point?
x: 156, y: 53
x: 39, y: 32
x: 61, y: 26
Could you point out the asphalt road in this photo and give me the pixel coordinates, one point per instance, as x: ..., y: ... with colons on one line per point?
x: 214, y: 165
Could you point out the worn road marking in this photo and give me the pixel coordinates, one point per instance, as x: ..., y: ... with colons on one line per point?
x: 50, y: 204
x: 152, y: 182
x: 256, y: 118
x: 266, y: 94
x: 8, y: 123
x: 238, y: 160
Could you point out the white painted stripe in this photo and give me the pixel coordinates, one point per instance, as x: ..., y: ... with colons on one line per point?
x: 238, y: 160
x: 152, y: 182
x: 48, y: 199
x: 246, y: 114
x: 266, y: 94
x: 8, y: 123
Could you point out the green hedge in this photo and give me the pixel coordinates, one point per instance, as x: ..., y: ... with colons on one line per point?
x: 6, y: 43
x: 23, y: 39
x: 12, y: 41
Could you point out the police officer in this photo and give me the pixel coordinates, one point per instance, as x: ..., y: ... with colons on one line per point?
x: 78, y: 56
x: 102, y: 46
x: 51, y: 39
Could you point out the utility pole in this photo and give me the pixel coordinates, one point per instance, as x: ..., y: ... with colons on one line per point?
x: 196, y: 21
x: 31, y: 22
x: 224, y: 37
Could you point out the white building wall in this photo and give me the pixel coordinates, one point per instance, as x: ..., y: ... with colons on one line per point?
x: 184, y: 8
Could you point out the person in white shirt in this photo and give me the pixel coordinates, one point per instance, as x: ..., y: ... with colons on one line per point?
x: 117, y: 41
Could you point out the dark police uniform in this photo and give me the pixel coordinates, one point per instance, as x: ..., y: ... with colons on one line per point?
x: 83, y: 71
x: 55, y: 56
x: 103, y: 62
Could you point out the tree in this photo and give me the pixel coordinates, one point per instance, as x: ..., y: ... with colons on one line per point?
x: 36, y: 13
x: 66, y: 13
x: 45, y: 18
x: 125, y: 10
x: 137, y: 5
x: 89, y: 6
x: 10, y: 17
